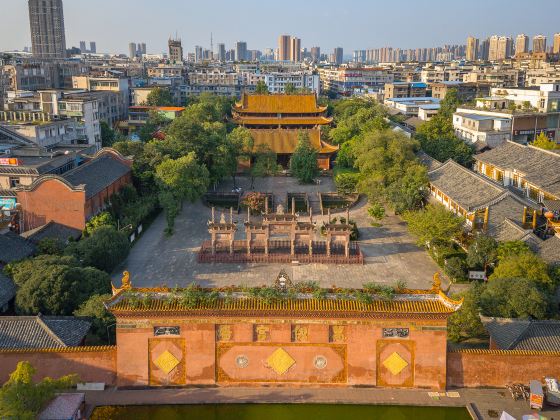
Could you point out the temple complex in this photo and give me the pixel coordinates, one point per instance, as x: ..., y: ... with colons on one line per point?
x: 279, y: 237
x: 275, y: 121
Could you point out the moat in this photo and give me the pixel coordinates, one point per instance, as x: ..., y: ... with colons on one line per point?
x: 278, y: 412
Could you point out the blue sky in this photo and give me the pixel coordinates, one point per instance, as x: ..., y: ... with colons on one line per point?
x: 352, y: 24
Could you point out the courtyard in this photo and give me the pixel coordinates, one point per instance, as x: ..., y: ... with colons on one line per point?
x: 390, y: 253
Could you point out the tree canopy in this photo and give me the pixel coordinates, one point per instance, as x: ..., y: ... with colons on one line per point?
x: 101, y: 319
x: 261, y: 88
x: 159, y: 97
x: 433, y: 224
x: 104, y: 249
x: 524, y: 266
x: 54, y: 285
x: 303, y: 163
x: 482, y: 252
x: 542, y: 141
x: 22, y: 398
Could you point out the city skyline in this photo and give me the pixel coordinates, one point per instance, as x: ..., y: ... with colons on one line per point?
x: 193, y: 23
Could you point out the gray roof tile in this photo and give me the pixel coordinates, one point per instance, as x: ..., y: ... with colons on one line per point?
x: 97, y: 174
x: 14, y: 248
x: 7, y: 289
x: 36, y: 332
x: 520, y: 334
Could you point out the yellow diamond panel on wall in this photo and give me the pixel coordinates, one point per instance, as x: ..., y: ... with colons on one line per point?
x: 166, y: 362
x: 280, y: 361
x: 395, y: 363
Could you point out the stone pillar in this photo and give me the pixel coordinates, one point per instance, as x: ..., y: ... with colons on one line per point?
x: 213, y: 241
x: 311, y: 244
x: 347, y: 248
x: 328, y: 244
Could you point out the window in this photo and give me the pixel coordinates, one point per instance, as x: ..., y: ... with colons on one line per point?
x: 14, y: 182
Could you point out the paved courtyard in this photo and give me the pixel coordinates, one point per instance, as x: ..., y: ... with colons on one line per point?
x: 390, y: 252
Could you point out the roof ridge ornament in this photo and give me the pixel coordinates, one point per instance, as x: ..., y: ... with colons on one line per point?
x: 125, y: 284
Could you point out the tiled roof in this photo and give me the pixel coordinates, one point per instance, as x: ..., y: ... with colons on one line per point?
x: 549, y: 250
x: 63, y: 406
x: 7, y: 289
x: 14, y: 248
x: 52, y: 230
x: 41, y: 332
x: 467, y: 188
x: 283, y: 121
x: 280, y: 103
x: 421, y: 304
x: 97, y: 174
x: 539, y: 166
x: 285, y: 141
x: 428, y: 161
x: 519, y: 334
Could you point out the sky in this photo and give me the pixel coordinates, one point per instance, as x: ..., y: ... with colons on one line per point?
x: 351, y: 24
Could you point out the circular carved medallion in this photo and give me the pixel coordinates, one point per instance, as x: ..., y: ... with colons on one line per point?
x: 242, y: 361
x: 320, y: 362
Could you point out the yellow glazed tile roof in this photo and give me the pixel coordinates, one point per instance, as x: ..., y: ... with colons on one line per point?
x: 279, y: 103
x: 282, y: 121
x: 284, y: 141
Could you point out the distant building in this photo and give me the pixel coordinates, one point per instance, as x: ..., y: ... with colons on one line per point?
x: 295, y: 49
x: 83, y: 48
x: 338, y: 55
x: 132, y: 50
x: 343, y: 80
x: 221, y: 52
x: 521, y: 44
x: 315, y: 53
x: 539, y: 44
x: 46, y: 18
x: 472, y: 48
x: 405, y: 90
x: 241, y: 51
x: 93, y: 47
x: 556, y: 44
x: 175, y: 51
x: 500, y: 48
x: 284, y: 47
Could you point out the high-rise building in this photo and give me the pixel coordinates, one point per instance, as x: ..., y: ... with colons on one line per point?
x: 539, y: 44
x: 338, y: 55
x: 241, y: 51
x: 284, y: 47
x: 141, y: 48
x: 556, y: 44
x: 221, y: 52
x: 499, y: 48
x: 472, y: 48
x: 295, y: 49
x: 198, y: 54
x: 83, y: 48
x: 484, y: 48
x: 521, y: 44
x: 46, y: 19
x: 132, y: 50
x: 315, y: 53
x: 93, y: 47
x: 175, y: 50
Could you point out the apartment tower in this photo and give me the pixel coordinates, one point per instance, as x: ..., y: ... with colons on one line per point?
x: 295, y: 49
x: 46, y: 18
x: 521, y: 44
x: 539, y: 44
x: 556, y: 44
x: 472, y: 48
x: 175, y: 50
x: 284, y: 47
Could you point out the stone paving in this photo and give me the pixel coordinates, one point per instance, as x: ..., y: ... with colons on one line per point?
x: 481, y: 401
x: 390, y: 252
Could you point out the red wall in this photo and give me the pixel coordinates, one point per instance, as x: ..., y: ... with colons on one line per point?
x: 490, y: 368
x: 52, y: 200
x: 96, y: 365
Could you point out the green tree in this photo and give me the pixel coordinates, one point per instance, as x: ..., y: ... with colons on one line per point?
x: 376, y: 211
x: 512, y: 249
x: 433, y: 224
x: 94, y: 309
x: 456, y: 268
x: 264, y: 163
x: 54, y: 285
x: 184, y: 177
x: 289, y: 89
x: 261, y: 88
x: 156, y: 120
x: 104, y: 249
x: 346, y: 182
x: 23, y: 399
x: 51, y: 246
x: 514, y: 298
x: 390, y: 170
x: 482, y: 252
x: 102, y: 219
x: 465, y: 323
x: 107, y: 134
x: 525, y: 266
x: 238, y: 147
x: 542, y: 141
x: 159, y: 97
x: 303, y: 163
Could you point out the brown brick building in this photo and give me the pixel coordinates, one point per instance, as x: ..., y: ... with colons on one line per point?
x: 77, y: 195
